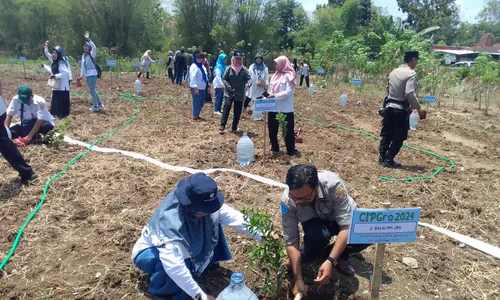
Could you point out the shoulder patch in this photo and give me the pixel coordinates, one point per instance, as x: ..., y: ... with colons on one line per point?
x: 340, y: 192
x: 284, y: 208
x: 41, y: 106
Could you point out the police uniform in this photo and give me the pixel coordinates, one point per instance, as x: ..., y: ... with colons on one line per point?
x: 9, y: 150
x: 401, y: 96
x: 29, y: 114
x: 321, y: 219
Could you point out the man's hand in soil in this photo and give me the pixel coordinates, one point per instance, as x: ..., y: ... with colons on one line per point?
x: 300, y: 287
x: 324, y: 273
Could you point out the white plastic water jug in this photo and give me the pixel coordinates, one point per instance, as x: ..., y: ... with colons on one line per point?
x: 312, y: 89
x: 237, y: 290
x: 137, y: 86
x: 414, y: 117
x: 245, y: 150
x: 256, y: 115
x: 343, y: 99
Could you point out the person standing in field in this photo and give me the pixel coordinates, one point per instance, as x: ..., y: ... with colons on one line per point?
x: 304, y: 73
x: 180, y: 66
x: 260, y: 80
x: 282, y: 88
x: 60, y: 71
x: 295, y: 65
x: 208, y: 93
x: 320, y: 203
x: 219, y: 71
x: 170, y: 66
x: 89, y: 71
x: 184, y: 237
x: 146, y: 60
x: 236, y: 80
x: 198, y: 83
x: 9, y: 150
x: 401, y: 98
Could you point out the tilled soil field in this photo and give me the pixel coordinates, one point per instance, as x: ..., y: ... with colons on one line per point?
x: 78, y: 245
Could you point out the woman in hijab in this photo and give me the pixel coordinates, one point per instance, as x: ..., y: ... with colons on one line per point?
x: 219, y: 71
x: 89, y: 70
x: 208, y: 93
x: 282, y: 88
x: 170, y: 66
x: 146, y: 60
x: 260, y: 80
x: 295, y: 65
x: 236, y: 80
x: 198, y: 83
x: 184, y: 237
x: 59, y: 71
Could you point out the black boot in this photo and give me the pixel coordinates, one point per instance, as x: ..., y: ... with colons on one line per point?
x: 381, y: 159
x: 391, y: 163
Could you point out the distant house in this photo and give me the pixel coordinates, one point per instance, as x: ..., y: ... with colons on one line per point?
x: 459, y: 54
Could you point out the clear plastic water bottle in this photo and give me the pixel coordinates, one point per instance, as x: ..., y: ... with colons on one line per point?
x: 343, y: 99
x: 414, y: 117
x: 137, y: 86
x: 237, y: 290
x: 245, y: 150
x: 256, y: 115
x: 312, y: 89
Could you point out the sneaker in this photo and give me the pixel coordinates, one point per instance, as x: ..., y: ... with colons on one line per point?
x: 218, y: 113
x: 293, y: 153
x: 235, y: 130
x: 391, y: 163
x: 94, y: 109
x: 28, y: 180
x: 221, y: 129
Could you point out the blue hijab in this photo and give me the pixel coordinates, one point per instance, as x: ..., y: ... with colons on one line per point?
x: 200, y: 65
x: 173, y: 221
x: 220, y: 63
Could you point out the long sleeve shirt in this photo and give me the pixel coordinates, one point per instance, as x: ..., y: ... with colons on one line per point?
x: 304, y: 70
x: 37, y: 110
x: 236, y: 85
x: 254, y: 91
x: 196, y: 77
x: 218, y: 83
x: 88, y: 67
x: 145, y: 62
x: 173, y: 254
x: 284, y: 96
x: 402, y: 85
x: 64, y: 71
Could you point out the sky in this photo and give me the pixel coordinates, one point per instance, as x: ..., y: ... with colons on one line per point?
x: 468, y: 8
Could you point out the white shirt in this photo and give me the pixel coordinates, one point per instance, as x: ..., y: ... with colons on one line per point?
x: 254, y: 91
x: 284, y: 97
x: 37, y: 110
x: 173, y: 254
x: 218, y: 84
x: 304, y: 70
x: 64, y: 71
x: 145, y: 62
x: 89, y: 72
x: 196, y: 77
x: 3, y: 109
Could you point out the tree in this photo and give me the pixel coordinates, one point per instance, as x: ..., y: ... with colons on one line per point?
x: 338, y: 3
x: 427, y: 13
x: 292, y: 18
x: 491, y: 12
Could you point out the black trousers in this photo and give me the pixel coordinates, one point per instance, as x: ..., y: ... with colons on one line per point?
x: 317, y: 236
x: 9, y: 150
x: 238, y: 107
x: 179, y: 73
x: 171, y: 74
x: 302, y: 80
x: 140, y: 73
x: 247, y: 102
x: 273, y: 126
x: 22, y: 131
x: 394, y: 132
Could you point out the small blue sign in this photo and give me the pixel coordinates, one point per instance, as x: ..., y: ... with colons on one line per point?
x: 430, y: 99
x: 11, y: 60
x: 265, y: 104
x: 357, y: 81
x: 22, y: 58
x: 136, y: 64
x: 384, y: 226
x: 321, y: 71
x: 111, y: 63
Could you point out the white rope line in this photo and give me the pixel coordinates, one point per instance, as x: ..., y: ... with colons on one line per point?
x: 477, y: 244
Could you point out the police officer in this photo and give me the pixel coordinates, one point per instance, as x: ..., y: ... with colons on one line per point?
x: 9, y: 150
x: 320, y: 202
x: 33, y: 112
x: 401, y: 98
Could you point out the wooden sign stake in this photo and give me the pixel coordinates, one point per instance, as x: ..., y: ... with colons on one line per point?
x: 377, y: 267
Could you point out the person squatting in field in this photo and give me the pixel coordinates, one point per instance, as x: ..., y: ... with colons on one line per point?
x: 184, y: 237
x: 60, y: 71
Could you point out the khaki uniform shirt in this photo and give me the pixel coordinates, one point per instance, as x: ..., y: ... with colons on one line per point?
x: 333, y: 204
x: 402, y: 86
